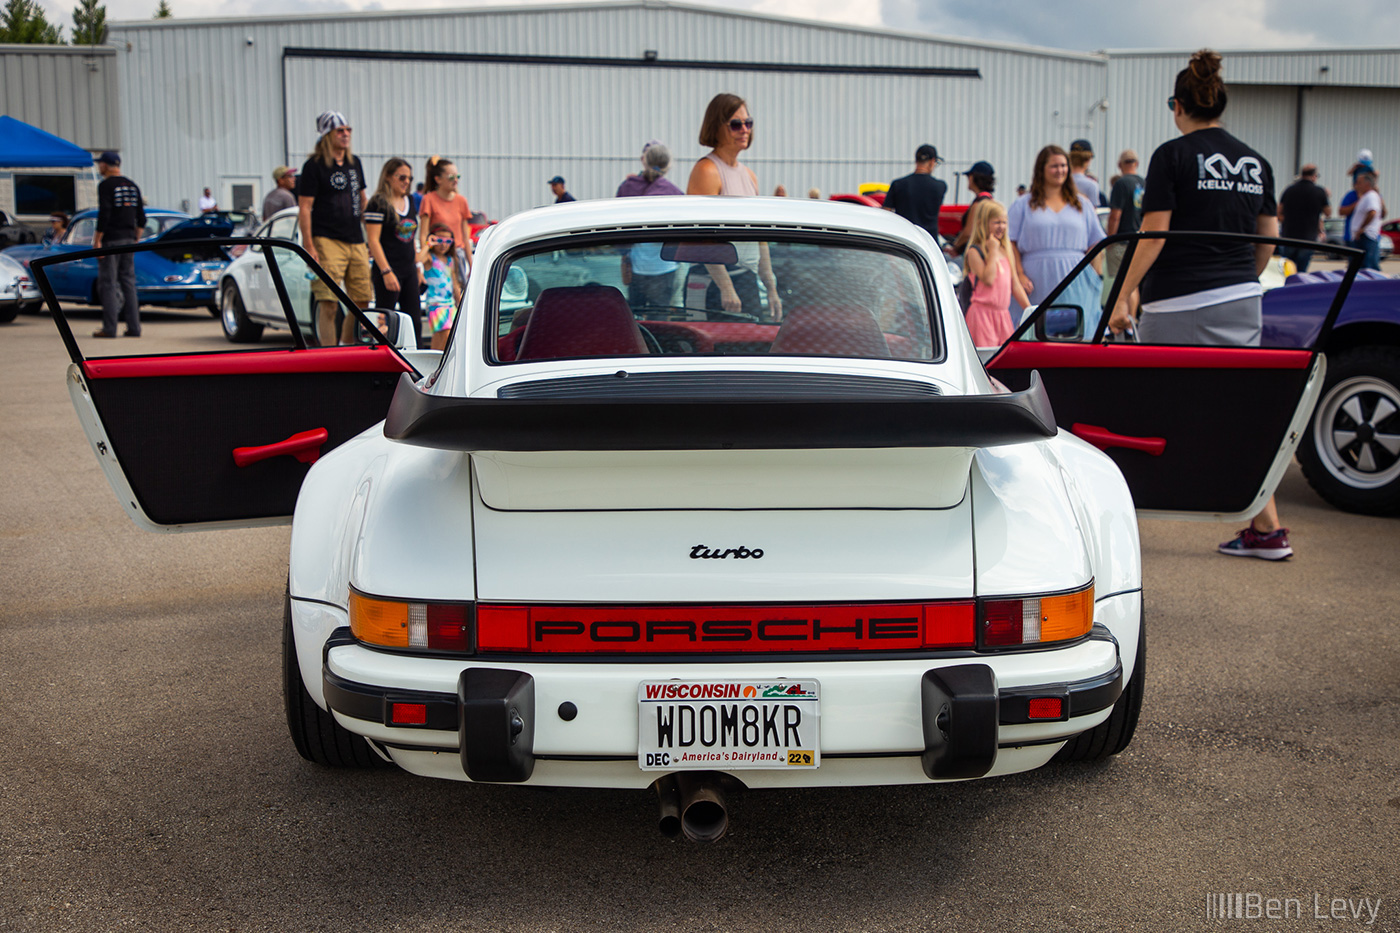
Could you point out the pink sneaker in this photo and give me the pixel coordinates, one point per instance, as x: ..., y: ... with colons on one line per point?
x: 1250, y: 543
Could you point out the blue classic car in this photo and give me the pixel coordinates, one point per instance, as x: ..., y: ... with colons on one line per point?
x: 184, y: 275
x: 1351, y: 454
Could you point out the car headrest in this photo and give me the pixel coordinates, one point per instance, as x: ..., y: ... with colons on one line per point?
x: 831, y: 331
x: 581, y: 320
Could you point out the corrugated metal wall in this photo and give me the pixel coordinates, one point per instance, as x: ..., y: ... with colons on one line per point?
x: 211, y: 104
x: 1354, y: 103
x: 72, y: 92
x: 208, y: 100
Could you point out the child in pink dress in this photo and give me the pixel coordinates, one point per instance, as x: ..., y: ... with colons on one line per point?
x: 988, y: 262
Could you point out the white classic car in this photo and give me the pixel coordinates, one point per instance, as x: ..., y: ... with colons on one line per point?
x: 17, y: 290
x: 727, y: 501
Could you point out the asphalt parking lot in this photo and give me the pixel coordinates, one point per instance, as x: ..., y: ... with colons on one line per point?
x: 148, y: 782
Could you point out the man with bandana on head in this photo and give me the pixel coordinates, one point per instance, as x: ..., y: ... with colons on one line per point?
x: 332, y: 195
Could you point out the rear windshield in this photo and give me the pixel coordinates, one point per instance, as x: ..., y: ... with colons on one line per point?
x: 710, y: 297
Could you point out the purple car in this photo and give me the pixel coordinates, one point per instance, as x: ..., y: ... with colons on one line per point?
x: 1351, y: 454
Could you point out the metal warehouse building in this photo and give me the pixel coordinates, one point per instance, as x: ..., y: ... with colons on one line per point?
x: 517, y: 95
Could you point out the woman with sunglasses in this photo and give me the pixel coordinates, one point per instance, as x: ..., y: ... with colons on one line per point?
x: 444, y: 204
x: 1196, y: 291
x: 728, y: 130
x: 391, y: 226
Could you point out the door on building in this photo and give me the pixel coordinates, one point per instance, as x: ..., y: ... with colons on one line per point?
x: 240, y: 193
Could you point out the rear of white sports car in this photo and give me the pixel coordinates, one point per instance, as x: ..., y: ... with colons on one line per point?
x: 715, y: 505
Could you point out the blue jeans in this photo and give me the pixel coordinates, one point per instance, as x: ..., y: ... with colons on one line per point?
x: 1301, y: 257
x: 1372, y: 248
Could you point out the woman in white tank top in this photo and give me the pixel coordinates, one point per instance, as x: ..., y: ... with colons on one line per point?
x: 728, y: 130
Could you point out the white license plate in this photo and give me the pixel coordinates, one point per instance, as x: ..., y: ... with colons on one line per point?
x: 209, y: 275
x: 728, y: 725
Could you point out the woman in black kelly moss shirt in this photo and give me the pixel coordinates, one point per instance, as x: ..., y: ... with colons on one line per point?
x: 1194, y: 291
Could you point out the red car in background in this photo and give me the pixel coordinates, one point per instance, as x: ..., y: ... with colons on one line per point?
x: 1392, y: 229
x: 949, y: 216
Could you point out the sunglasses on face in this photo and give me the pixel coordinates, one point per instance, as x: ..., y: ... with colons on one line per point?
x: 737, y: 125
x: 441, y: 241
x: 403, y: 178
x: 451, y: 177
x: 1171, y: 104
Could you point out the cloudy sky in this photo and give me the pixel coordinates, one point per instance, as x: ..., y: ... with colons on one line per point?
x: 1086, y: 25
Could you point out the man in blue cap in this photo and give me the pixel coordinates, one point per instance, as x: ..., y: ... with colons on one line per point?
x: 561, y: 195
x: 120, y: 218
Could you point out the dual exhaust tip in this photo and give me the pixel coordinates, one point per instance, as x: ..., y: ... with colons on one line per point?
x: 692, y: 804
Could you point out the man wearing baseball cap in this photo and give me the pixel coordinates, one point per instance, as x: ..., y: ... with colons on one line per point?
x: 120, y: 218
x: 331, y: 196
x: 281, y: 197
x: 1081, y: 153
x: 556, y: 184
x: 918, y: 197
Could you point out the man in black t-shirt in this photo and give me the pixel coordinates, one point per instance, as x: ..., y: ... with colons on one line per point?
x: 120, y: 219
x: 1301, y: 208
x: 332, y: 196
x: 918, y: 197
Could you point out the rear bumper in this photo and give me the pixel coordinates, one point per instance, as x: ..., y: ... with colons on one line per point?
x: 887, y: 721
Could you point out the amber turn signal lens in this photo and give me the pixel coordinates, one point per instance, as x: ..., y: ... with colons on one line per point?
x: 1066, y: 617
x: 379, y: 621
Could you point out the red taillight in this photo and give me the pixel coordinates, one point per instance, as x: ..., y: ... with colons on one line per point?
x: 449, y: 627
x: 950, y: 625
x: 726, y: 629
x: 503, y: 628
x: 1036, y: 620
x: 396, y: 623
x: 1001, y: 623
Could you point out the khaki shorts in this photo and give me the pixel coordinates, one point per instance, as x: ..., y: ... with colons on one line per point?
x: 346, y: 263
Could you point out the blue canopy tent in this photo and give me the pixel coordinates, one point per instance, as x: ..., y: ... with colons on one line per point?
x: 25, y: 146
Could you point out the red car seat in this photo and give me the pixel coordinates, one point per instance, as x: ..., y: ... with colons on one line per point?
x: 831, y: 332
x: 581, y: 320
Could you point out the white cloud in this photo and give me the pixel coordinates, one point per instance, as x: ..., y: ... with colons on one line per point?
x: 1123, y: 24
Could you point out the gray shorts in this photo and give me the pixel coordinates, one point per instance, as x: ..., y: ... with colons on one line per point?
x: 1229, y: 324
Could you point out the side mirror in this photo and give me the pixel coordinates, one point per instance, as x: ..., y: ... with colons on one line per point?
x: 1060, y: 322
x: 397, y: 327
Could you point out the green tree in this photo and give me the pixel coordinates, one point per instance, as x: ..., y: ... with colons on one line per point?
x: 24, y: 21
x: 163, y: 11
x: 89, y: 23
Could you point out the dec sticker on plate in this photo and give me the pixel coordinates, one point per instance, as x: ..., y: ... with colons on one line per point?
x: 728, y: 725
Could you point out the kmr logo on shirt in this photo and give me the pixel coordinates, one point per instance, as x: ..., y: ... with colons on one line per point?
x: 1245, y: 176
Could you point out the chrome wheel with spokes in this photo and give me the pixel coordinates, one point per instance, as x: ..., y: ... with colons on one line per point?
x: 1352, y: 454
x: 237, y: 327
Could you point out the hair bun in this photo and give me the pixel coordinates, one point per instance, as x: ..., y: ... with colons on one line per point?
x: 1205, y: 81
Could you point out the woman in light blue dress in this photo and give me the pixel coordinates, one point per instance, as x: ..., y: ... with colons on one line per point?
x: 1051, y: 227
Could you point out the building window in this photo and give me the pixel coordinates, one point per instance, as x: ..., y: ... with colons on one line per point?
x: 44, y: 194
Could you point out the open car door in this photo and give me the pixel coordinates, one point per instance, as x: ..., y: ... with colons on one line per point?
x: 1198, y: 431
x: 200, y: 439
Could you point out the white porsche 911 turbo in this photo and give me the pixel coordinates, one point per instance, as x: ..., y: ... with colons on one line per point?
x: 718, y: 496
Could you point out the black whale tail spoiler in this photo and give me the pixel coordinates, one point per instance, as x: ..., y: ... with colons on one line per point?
x: 716, y: 422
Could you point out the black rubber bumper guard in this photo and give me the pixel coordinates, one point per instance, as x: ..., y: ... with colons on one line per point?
x: 494, y: 715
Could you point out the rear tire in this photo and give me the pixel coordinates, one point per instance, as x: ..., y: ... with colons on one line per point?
x: 315, y: 733
x: 9, y: 314
x: 1112, y: 735
x: 233, y: 317
x: 1340, y: 454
